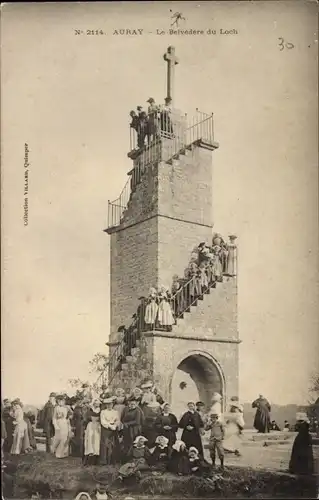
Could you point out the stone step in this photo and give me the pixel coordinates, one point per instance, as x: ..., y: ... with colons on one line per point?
x: 40, y: 439
x: 273, y: 436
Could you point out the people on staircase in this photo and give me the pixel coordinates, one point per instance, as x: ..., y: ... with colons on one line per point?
x: 179, y: 296
x: 165, y: 315
x: 151, y: 309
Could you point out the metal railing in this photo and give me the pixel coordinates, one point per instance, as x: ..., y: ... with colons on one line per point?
x: 117, y: 207
x: 189, y: 292
x: 163, y: 137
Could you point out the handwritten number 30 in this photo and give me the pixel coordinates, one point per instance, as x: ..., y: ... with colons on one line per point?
x: 283, y: 45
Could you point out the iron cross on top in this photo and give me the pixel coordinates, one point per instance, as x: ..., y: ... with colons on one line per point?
x: 171, y: 60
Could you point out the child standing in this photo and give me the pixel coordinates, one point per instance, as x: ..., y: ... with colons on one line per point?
x: 217, y: 433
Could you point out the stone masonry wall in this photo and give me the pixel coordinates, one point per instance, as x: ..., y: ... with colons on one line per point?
x: 143, y: 201
x: 213, y: 318
x: 176, y: 241
x: 185, y: 187
x: 169, y: 352
x: 133, y: 270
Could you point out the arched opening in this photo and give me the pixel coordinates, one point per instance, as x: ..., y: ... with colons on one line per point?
x: 196, y: 378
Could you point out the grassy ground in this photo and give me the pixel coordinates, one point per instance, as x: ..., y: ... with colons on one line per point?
x: 65, y: 478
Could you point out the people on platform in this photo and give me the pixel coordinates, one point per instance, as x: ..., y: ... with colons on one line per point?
x: 262, y: 416
x: 157, y: 121
x: 301, y: 459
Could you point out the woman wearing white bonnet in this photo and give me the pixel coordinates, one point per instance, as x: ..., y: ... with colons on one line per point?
x: 83, y: 495
x: 151, y: 307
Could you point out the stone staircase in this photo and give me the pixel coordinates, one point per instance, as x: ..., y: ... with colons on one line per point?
x: 135, y: 368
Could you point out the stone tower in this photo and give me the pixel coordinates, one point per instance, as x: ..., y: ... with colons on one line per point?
x: 163, y: 213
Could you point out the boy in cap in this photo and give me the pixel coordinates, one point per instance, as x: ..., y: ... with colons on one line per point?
x: 217, y: 434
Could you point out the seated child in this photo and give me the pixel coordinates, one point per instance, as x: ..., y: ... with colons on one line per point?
x: 274, y: 426
x: 197, y: 465
x: 178, y: 463
x: 161, y: 454
x: 217, y: 434
x: 138, y: 459
x: 286, y: 426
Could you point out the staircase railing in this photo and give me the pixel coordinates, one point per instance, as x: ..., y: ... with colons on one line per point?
x: 175, y: 132
x: 117, y: 207
x: 180, y: 302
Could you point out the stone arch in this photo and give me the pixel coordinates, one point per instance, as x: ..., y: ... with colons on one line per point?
x: 206, y: 373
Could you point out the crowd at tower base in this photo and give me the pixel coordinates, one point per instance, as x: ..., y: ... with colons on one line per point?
x: 139, y: 432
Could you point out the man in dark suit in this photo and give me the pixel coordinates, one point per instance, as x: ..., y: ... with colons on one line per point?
x: 48, y: 427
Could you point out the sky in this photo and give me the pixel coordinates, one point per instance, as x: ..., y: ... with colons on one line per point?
x: 68, y: 97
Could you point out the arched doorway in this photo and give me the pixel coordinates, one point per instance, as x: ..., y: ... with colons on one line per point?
x: 196, y: 378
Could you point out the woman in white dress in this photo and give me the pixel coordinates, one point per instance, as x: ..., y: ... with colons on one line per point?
x: 61, y: 423
x: 151, y: 308
x: 234, y: 426
x: 165, y: 315
x: 21, y: 441
x: 92, y: 435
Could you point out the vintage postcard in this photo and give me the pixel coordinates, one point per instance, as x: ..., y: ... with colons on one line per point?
x: 159, y: 182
